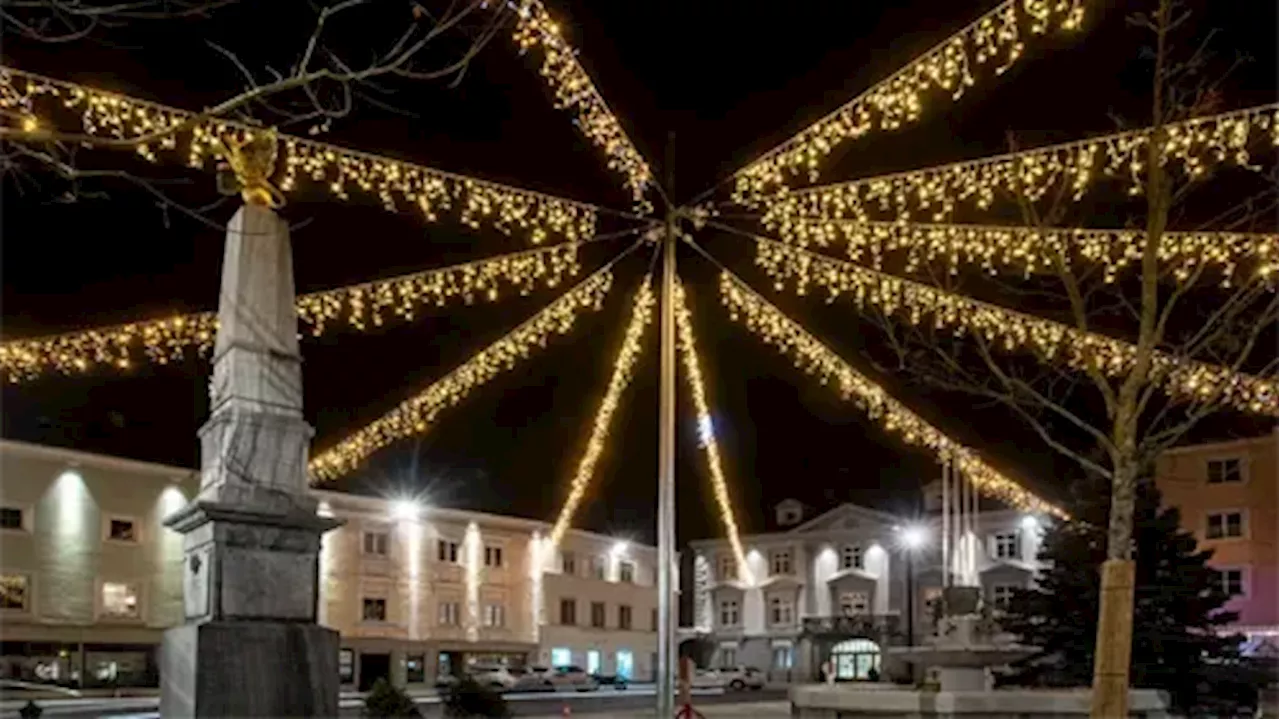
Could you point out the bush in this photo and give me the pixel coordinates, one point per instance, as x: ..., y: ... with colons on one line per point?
x: 468, y: 698
x: 386, y: 700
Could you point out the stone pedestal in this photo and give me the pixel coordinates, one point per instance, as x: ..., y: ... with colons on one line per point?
x: 251, y: 645
x: 863, y: 701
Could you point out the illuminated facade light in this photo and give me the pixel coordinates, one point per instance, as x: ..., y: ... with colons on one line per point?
x: 405, y: 509
x: 913, y: 536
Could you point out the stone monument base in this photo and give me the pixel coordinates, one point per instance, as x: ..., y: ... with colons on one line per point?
x: 886, y: 701
x: 249, y: 669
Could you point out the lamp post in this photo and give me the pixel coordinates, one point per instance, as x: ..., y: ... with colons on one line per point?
x: 911, y: 538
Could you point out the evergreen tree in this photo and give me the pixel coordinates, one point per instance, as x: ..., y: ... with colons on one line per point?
x: 1178, y: 610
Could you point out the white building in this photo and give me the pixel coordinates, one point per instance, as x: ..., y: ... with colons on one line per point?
x: 834, y: 588
x: 90, y: 578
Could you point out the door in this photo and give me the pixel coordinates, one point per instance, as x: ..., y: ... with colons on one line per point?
x: 593, y: 661
x: 625, y: 665
x: 372, y: 668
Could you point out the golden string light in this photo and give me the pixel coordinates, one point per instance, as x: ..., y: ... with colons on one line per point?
x: 575, y: 91
x: 359, y: 306
x: 775, y: 328
x: 623, y: 368
x: 1196, y: 144
x: 922, y: 304
x: 706, y: 428
x: 32, y: 103
x: 1031, y: 250
x: 993, y: 40
x: 416, y: 414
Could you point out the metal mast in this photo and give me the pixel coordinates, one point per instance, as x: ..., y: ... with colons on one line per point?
x: 667, y: 458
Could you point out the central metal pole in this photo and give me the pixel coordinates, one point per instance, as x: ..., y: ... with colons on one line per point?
x: 667, y: 465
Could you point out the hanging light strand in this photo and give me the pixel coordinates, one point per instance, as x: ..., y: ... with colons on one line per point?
x: 775, y: 328
x: 623, y: 369
x: 995, y: 40
x: 922, y: 304
x: 575, y: 91
x: 706, y: 427
x: 30, y: 105
x: 359, y: 306
x: 1197, y: 145
x: 1033, y: 250
x: 416, y: 414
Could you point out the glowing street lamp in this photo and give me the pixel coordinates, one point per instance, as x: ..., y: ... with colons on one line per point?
x: 404, y: 509
x: 913, y: 536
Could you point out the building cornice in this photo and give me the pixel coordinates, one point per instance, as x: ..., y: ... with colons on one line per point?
x: 78, y: 458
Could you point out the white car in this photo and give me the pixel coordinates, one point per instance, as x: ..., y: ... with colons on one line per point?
x: 533, y: 679
x: 495, y: 676
x: 573, y: 677
x: 740, y: 678
x: 707, y: 679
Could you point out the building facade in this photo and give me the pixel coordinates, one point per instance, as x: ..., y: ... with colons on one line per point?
x: 1226, y: 494
x: 90, y: 578
x: 833, y: 590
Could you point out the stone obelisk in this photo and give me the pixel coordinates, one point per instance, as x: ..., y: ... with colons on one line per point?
x: 251, y: 645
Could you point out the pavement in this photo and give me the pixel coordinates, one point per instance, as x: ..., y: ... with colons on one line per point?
x: 634, y: 701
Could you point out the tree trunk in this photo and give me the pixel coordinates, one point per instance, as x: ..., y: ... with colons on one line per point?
x: 1113, y: 647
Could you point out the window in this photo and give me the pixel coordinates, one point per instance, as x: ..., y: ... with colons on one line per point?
x: 729, y: 612
x: 447, y: 614
x: 567, y: 563
x: 120, y: 601
x: 1223, y: 525
x: 493, y: 557
x: 853, y: 603
x: 725, y: 568
x: 782, y: 656
x: 415, y: 669
x: 120, y: 529
x: 375, y: 543
x: 561, y: 657
x: 1232, y: 582
x: 1001, y: 595
x: 1004, y: 545
x: 593, y: 661
x: 373, y: 609
x: 1224, y: 471
x: 447, y: 551
x: 568, y: 612
x: 597, y: 614
x: 851, y: 557
x: 11, y: 518
x: 597, y: 568
x: 653, y: 620
x: 346, y: 666
x: 780, y: 561
x: 627, y: 572
x: 15, y: 592
x: 624, y: 616
x: 780, y: 610
x: 728, y: 656
x: 495, y: 615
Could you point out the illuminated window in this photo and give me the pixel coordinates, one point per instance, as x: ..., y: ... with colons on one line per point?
x: 495, y: 615
x: 782, y: 656
x: 624, y: 616
x: 375, y: 543
x: 597, y: 614
x: 447, y: 551
x: 448, y: 614
x: 15, y: 592
x: 851, y: 557
x: 415, y: 669
x: 374, y: 609
x: 122, y: 529
x: 561, y: 657
x: 1224, y: 471
x: 11, y: 518
x: 120, y: 601
x: 627, y: 572
x: 1224, y: 525
x: 493, y: 557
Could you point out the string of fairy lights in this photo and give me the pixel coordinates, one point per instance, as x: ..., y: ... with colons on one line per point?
x: 995, y: 40
x: 31, y: 104
x: 1033, y: 250
x: 623, y: 369
x: 361, y: 307
x: 922, y: 304
x: 706, y: 426
x: 575, y: 91
x: 416, y: 414
x: 774, y: 327
x: 1197, y: 145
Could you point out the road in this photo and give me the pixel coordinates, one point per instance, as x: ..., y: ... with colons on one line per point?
x: 635, y: 701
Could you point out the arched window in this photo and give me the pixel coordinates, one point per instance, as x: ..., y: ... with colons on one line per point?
x: 854, y: 659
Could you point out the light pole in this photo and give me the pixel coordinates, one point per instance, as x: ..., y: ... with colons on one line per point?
x: 911, y: 538
x: 665, y: 685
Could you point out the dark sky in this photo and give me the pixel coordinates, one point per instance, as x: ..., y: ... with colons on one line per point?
x: 730, y: 79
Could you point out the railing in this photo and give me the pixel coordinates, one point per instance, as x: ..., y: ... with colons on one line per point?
x: 871, y: 625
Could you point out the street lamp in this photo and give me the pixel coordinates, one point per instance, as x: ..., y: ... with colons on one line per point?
x: 912, y: 538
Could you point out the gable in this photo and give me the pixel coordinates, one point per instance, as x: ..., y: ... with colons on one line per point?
x: 846, y: 516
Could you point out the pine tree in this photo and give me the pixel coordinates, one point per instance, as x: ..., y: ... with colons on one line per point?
x: 1178, y: 610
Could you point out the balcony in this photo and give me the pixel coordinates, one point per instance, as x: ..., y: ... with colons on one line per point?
x: 868, y: 625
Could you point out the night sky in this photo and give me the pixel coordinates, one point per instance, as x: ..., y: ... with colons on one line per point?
x: 729, y: 79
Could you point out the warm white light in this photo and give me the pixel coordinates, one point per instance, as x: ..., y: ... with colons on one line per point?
x: 324, y: 510
x: 914, y: 536
x: 706, y: 431
x: 1029, y: 522
x: 405, y: 509
x: 619, y: 548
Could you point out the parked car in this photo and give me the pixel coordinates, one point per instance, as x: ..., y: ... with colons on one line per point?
x: 495, y: 676
x: 573, y: 677
x: 532, y: 679
x: 707, y: 679
x: 614, y: 681
x: 740, y: 678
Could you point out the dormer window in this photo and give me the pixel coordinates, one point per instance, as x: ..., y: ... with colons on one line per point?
x: 789, y: 512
